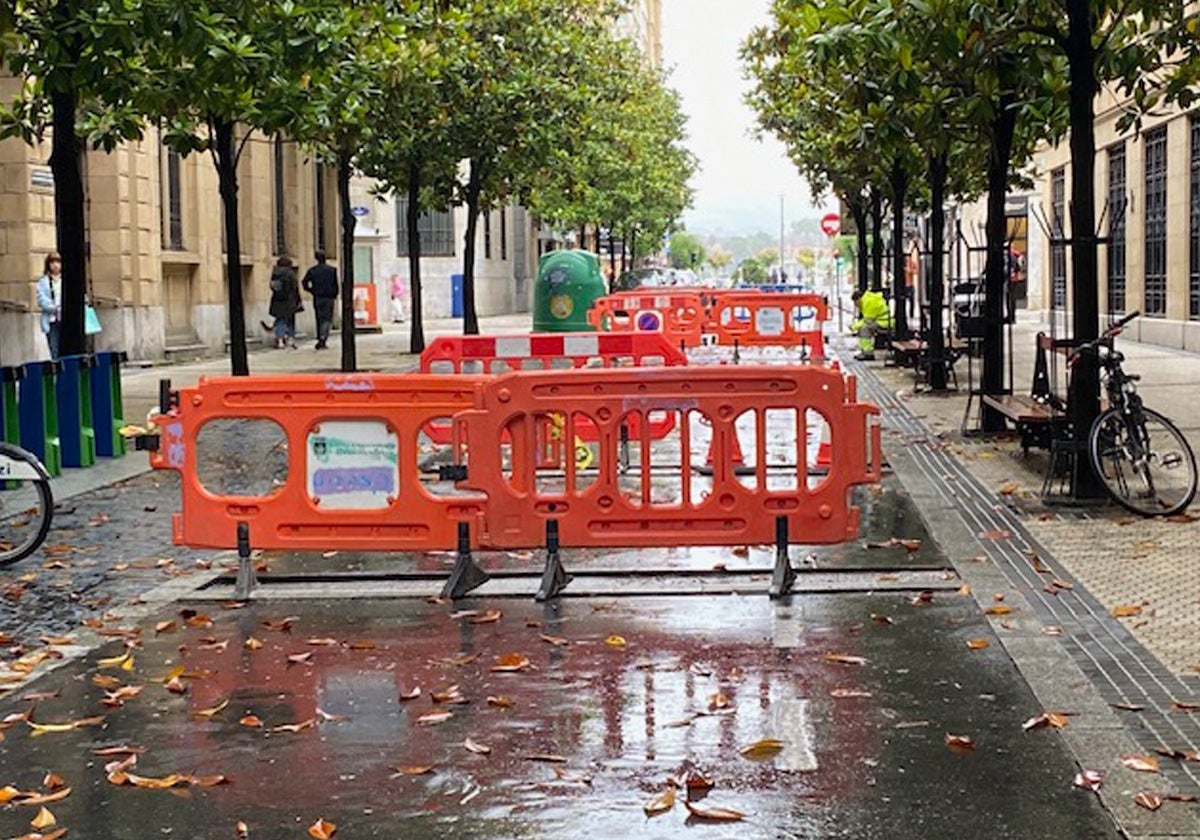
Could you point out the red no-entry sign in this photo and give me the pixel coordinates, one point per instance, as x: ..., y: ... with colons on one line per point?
x: 831, y: 223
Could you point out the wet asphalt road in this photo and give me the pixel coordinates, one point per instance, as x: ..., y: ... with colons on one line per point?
x: 696, y: 680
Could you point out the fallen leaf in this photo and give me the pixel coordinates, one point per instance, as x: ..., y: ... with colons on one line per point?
x: 176, y: 686
x: 414, y: 769
x: 995, y: 534
x: 117, y: 750
x: 459, y: 659
x: 1128, y: 707
x: 1126, y: 611
x: 511, y: 662
x: 977, y: 644
x: 719, y: 701
x: 326, y: 642
x: 999, y: 609
x: 433, y: 718
x: 1089, y: 779
x: 661, y: 803
x: 321, y: 830
x: 740, y: 551
x: 361, y: 644
x: 252, y: 644
x: 208, y: 781
x: 8, y: 793
x: 845, y: 659
x: 960, y: 742
x: 300, y: 658
x: 925, y: 596
x: 849, y: 692
x: 1149, y: 801
x: 282, y: 625
x: 713, y: 814
x: 243, y: 830
x: 1185, y: 706
x: 1178, y: 755
x: 53, y: 782
x: 1140, y: 763
x: 411, y: 694
x: 965, y: 589
x: 882, y: 619
x: 164, y: 627
x: 554, y: 640
x: 44, y: 819
x: 295, y: 727
x: 39, y: 696
x: 1054, y: 719
x: 214, y: 710
x: 450, y: 694
x: 1009, y: 488
x: 499, y: 701
x: 116, y: 661
x: 251, y: 721
x: 766, y: 748
x: 476, y: 747
x: 615, y: 641
x: 44, y: 798
x: 43, y: 728
x: 328, y: 717
x: 1052, y: 630
x: 488, y: 617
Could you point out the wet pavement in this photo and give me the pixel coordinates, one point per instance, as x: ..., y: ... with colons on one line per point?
x: 611, y: 699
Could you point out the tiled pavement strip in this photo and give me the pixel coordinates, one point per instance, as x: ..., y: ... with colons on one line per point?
x: 1114, y: 559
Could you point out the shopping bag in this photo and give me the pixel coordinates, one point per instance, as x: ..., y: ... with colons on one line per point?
x: 91, y: 321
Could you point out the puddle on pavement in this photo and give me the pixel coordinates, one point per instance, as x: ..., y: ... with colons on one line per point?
x: 695, y: 682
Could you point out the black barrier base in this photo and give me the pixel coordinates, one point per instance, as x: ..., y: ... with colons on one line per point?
x: 555, y: 577
x: 784, y: 576
x: 246, y: 580
x: 466, y: 575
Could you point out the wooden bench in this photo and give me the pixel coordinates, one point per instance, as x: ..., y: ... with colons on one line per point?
x: 1035, y: 421
x: 914, y: 353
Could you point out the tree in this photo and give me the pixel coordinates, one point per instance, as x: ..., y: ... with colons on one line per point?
x: 72, y: 55
x: 753, y: 272
x: 219, y: 72
x: 685, y: 250
x: 719, y: 258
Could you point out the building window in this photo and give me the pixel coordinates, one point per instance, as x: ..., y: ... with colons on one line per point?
x: 1116, y: 228
x: 503, y: 235
x: 280, y: 210
x: 320, y: 198
x: 172, y: 177
x: 1194, y: 255
x: 436, y: 231
x: 1058, y: 250
x: 1156, y: 223
x: 487, y: 235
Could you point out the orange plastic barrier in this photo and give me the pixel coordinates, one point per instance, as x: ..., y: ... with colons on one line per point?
x: 352, y: 447
x: 757, y: 319
x: 599, y: 511
x: 503, y: 353
x: 679, y: 315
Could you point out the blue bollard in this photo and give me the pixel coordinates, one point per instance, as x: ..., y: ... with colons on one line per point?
x: 74, y: 391
x: 108, y: 411
x: 37, y: 410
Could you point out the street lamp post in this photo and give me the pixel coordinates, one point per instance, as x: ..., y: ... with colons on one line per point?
x: 781, y: 275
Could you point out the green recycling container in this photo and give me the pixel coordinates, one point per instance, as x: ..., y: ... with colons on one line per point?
x: 567, y: 283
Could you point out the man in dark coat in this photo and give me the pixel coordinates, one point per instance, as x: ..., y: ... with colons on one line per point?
x: 322, y: 282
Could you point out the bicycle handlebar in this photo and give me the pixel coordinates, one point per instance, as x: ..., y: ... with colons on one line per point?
x: 1112, y: 331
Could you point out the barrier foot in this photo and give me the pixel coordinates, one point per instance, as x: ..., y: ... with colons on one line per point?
x: 466, y: 575
x: 246, y: 581
x: 555, y: 577
x: 737, y: 353
x: 622, y: 454
x: 784, y: 576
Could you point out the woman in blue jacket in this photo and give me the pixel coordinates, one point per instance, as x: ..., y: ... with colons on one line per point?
x: 49, y: 300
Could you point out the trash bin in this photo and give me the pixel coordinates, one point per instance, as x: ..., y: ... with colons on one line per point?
x: 456, y: 295
x: 567, y: 284
x: 10, y: 428
x: 77, y: 438
x: 37, y: 410
x: 108, y: 410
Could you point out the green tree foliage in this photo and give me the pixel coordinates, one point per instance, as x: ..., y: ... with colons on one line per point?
x: 685, y: 250
x: 719, y: 258
x: 752, y: 272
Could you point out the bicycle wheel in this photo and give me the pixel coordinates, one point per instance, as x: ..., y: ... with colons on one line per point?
x: 26, y: 503
x: 1147, y: 467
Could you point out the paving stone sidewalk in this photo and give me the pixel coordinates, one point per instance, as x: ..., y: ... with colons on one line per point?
x: 1123, y: 560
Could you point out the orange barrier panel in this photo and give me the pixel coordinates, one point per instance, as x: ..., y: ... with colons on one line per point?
x: 679, y: 315
x: 503, y: 353
x: 351, y: 444
x: 757, y: 319
x: 599, y: 510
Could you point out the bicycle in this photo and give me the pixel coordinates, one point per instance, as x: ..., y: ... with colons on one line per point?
x: 26, y: 503
x: 1144, y: 461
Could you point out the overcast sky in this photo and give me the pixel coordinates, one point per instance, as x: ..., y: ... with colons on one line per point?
x: 741, y: 178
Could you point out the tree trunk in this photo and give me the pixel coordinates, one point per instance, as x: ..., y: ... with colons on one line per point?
x: 936, y: 351
x: 624, y: 251
x: 417, y: 336
x: 227, y: 179
x: 474, y: 187
x: 612, y: 252
x: 70, y: 227
x: 859, y: 213
x: 349, y: 336
x: 876, y: 240
x: 899, y: 183
x: 1084, y: 398
x: 995, y: 272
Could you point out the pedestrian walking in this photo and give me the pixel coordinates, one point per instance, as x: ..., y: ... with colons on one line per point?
x: 398, y: 293
x: 49, y: 300
x: 285, y: 302
x: 321, y: 281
